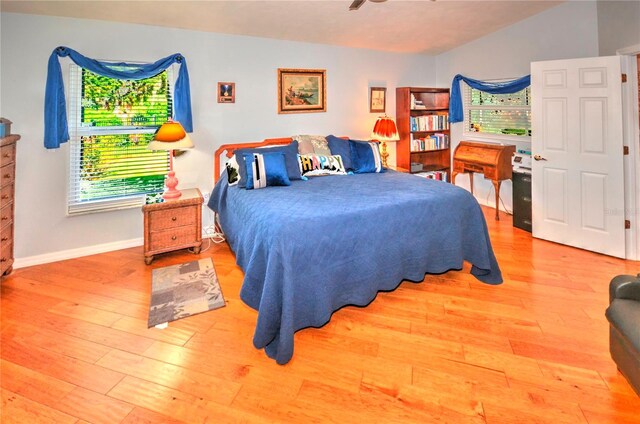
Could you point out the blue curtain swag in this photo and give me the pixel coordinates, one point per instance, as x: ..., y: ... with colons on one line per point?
x: 503, y: 87
x: 56, y: 129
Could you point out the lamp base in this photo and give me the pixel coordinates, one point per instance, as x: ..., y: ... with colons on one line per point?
x: 171, y: 182
x: 384, y: 155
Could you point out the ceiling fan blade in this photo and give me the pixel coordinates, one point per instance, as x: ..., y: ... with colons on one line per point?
x: 356, y: 4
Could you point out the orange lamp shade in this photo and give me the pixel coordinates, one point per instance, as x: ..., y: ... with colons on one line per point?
x: 385, y: 129
x: 170, y: 136
x: 169, y: 132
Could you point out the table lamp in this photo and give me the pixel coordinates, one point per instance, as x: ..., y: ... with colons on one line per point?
x: 385, y: 130
x: 171, y: 136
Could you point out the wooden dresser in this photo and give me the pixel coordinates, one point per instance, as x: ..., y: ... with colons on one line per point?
x: 492, y: 160
x: 7, y: 196
x: 173, y: 224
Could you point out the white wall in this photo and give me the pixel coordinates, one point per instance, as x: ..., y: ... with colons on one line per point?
x: 42, y: 227
x: 618, y: 25
x: 569, y: 30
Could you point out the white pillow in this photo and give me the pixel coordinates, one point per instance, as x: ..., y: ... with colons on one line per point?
x: 308, y: 144
x: 312, y: 165
x: 233, y: 174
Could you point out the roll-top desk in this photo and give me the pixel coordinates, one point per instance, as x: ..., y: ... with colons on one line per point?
x: 492, y: 160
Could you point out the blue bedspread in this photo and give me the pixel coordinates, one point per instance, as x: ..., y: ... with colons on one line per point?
x: 317, y: 245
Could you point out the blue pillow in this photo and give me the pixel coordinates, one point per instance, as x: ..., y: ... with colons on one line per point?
x: 290, y: 156
x: 340, y: 146
x: 365, y: 157
x: 265, y: 169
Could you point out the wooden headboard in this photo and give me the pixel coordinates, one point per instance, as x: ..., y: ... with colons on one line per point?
x: 230, y: 149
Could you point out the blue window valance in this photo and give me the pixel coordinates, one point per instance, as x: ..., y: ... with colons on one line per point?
x: 56, y: 130
x: 503, y: 87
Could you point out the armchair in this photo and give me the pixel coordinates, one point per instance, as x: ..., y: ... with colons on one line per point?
x: 623, y: 314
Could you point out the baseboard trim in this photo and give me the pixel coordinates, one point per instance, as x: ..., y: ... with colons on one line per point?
x: 76, y: 253
x: 484, y: 202
x: 63, y: 255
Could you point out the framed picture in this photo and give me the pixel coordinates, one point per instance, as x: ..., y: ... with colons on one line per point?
x: 226, y: 92
x: 377, y: 99
x: 302, y: 90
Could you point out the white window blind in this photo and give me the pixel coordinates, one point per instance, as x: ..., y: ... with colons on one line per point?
x: 111, y: 122
x: 500, y: 116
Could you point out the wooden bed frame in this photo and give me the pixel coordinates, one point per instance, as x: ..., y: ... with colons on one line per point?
x: 230, y: 149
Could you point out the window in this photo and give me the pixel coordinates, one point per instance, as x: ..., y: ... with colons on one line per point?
x: 111, y: 121
x: 498, y: 115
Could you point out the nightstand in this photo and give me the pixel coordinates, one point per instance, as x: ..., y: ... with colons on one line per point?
x: 173, y: 224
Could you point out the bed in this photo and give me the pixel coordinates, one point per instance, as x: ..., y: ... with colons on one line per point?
x: 318, y: 245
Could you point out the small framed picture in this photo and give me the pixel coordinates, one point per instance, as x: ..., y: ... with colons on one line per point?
x: 226, y: 92
x: 302, y: 90
x: 377, y: 99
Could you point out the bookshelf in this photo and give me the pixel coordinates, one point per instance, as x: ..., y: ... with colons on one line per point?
x: 422, y: 115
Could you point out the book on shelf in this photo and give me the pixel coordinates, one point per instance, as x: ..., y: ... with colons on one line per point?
x: 434, y: 175
x: 435, y: 141
x: 416, y: 104
x: 429, y: 123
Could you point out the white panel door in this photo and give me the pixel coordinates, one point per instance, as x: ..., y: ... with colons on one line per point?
x: 577, y: 177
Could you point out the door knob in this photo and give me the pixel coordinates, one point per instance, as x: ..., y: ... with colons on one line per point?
x: 538, y: 157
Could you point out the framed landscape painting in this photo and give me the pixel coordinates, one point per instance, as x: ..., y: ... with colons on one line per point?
x: 302, y: 90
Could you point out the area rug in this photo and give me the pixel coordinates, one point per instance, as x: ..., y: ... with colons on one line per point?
x: 179, y: 291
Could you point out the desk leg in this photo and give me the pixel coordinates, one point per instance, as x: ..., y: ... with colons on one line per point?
x: 496, y: 185
x: 455, y: 174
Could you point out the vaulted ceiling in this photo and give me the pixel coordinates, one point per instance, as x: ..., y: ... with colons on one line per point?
x: 428, y: 27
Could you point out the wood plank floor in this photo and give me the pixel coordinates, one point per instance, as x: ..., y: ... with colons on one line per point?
x: 75, y: 347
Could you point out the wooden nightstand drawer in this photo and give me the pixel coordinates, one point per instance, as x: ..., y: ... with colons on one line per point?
x: 7, y: 174
x: 172, y: 238
x: 172, y: 218
x: 6, y: 194
x: 7, y: 154
x: 173, y: 224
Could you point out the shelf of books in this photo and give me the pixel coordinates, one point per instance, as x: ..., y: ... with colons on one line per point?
x: 434, y: 175
x: 426, y: 123
x: 422, y: 115
x: 435, y: 141
x: 430, y: 162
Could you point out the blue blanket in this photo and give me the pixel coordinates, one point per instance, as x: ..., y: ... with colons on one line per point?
x: 317, y: 245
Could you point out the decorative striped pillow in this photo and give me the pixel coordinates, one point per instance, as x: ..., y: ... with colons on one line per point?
x: 264, y: 170
x: 290, y: 157
x: 365, y: 157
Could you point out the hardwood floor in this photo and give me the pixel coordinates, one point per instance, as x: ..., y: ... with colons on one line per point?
x: 75, y: 347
